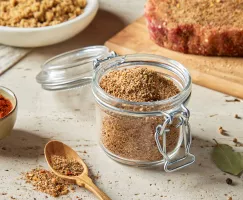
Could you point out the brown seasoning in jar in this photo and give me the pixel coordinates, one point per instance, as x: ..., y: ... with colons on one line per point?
x: 133, y: 137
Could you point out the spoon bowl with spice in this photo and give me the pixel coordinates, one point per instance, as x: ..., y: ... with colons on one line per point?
x: 8, y: 111
x: 67, y: 164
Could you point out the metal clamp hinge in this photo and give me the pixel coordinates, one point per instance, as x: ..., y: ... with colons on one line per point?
x: 161, y: 131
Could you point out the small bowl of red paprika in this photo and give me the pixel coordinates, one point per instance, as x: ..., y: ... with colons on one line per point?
x: 8, y: 111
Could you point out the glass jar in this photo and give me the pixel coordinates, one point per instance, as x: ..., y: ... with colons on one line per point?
x: 135, y: 133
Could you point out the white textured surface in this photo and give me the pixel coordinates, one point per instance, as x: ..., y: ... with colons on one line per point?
x: 70, y: 117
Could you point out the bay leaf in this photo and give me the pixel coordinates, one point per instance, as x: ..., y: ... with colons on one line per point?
x: 227, y: 159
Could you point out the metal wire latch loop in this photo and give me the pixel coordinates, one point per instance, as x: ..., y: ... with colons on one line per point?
x: 161, y: 131
x: 97, y: 62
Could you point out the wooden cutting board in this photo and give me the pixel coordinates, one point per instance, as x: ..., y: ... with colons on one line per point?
x: 223, y: 74
x: 10, y: 56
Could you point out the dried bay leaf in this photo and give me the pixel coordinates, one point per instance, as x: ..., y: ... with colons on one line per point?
x: 227, y: 159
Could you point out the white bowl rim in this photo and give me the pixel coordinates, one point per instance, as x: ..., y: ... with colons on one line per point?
x: 90, y: 7
x: 15, y: 106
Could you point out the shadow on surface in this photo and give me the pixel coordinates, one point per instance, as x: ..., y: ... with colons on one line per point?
x: 103, y: 27
x: 201, y: 149
x: 22, y: 144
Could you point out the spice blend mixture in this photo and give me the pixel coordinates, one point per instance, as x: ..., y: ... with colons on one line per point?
x: 5, y: 106
x: 138, y: 85
x: 35, y: 13
x: 65, y: 166
x: 47, y: 182
x: 133, y: 137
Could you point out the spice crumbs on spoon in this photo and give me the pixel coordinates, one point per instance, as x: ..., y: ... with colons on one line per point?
x: 69, y: 167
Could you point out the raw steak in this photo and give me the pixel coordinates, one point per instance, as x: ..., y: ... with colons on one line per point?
x: 204, y: 27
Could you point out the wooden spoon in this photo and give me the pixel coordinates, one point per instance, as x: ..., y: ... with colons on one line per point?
x: 83, y: 180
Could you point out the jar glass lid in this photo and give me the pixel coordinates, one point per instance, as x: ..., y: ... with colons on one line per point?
x: 70, y: 69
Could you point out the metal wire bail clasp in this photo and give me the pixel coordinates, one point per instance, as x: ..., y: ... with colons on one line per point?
x: 97, y: 62
x: 161, y: 131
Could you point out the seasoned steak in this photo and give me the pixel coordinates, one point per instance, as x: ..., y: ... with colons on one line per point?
x: 204, y: 27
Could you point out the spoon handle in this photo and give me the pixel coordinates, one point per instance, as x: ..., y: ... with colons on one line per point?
x: 88, y: 184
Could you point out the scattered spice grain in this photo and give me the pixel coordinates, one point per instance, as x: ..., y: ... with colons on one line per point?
x: 5, y: 106
x: 222, y: 131
x: 36, y: 13
x: 237, y: 143
x: 237, y: 116
x: 213, y: 115
x: 229, y: 181
x: 232, y: 100
x: 69, y: 167
x: 235, y: 140
x: 230, y: 198
x: 133, y: 137
x: 47, y: 182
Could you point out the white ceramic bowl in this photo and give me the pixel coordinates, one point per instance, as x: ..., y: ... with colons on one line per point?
x: 43, y: 36
x: 7, y: 122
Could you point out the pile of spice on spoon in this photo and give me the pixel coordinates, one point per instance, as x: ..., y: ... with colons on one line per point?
x: 69, y: 167
x: 47, y: 182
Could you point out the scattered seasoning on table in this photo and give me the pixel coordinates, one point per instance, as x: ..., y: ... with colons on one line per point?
x: 235, y: 140
x: 237, y: 116
x: 95, y: 177
x: 222, y: 131
x: 5, y: 106
x: 47, y: 182
x: 237, y: 143
x: 229, y: 181
x: 133, y: 137
x: 213, y: 115
x: 232, y: 100
x: 69, y: 167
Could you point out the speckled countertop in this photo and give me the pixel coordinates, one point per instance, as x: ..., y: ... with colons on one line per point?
x: 70, y: 117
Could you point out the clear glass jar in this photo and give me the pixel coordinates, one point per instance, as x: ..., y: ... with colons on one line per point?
x: 133, y: 133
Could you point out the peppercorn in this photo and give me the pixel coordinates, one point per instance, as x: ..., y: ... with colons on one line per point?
x: 237, y: 116
x: 229, y: 181
x: 235, y: 140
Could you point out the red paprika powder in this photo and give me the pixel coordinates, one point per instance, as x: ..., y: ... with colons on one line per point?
x: 5, y: 106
